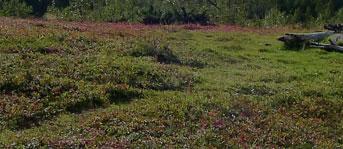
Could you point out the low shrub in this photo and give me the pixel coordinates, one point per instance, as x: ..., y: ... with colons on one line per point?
x: 194, y: 62
x: 162, y: 53
x: 255, y: 90
x: 122, y: 94
x: 136, y: 73
x: 30, y: 98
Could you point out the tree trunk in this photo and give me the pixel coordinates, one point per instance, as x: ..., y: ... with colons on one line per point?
x: 305, y: 37
x: 301, y: 40
x: 327, y: 47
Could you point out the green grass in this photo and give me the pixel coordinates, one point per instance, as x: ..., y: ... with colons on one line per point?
x: 61, y: 87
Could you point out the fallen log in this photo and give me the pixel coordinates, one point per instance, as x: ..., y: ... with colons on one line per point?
x: 300, y: 40
x: 327, y: 47
x: 336, y: 39
x: 303, y: 37
x: 337, y: 28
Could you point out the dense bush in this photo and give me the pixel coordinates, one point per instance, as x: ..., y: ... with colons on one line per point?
x: 14, y: 8
x: 275, y: 18
x: 164, y: 54
x: 339, y: 16
x: 255, y: 12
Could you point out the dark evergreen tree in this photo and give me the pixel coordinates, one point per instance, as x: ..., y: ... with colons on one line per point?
x: 39, y: 7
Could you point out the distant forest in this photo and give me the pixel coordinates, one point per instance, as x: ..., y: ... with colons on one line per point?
x: 244, y: 12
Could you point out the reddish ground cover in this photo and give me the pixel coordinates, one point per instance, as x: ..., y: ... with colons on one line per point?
x: 101, y: 27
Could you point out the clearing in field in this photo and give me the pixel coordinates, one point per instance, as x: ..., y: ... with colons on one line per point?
x: 75, y: 85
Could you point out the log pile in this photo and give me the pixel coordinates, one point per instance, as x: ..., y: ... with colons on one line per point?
x: 303, y: 40
x: 338, y: 28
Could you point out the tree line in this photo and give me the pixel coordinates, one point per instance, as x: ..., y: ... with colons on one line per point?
x: 244, y: 12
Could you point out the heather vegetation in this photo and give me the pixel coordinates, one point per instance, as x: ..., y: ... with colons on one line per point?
x: 243, y: 12
x: 92, y: 85
x: 170, y: 74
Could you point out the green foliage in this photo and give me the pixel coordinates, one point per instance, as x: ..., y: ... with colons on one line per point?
x: 339, y: 16
x: 275, y: 18
x: 14, y: 8
x: 256, y: 12
x: 201, y: 11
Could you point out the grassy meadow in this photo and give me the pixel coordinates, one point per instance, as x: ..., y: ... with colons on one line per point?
x: 93, y: 85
